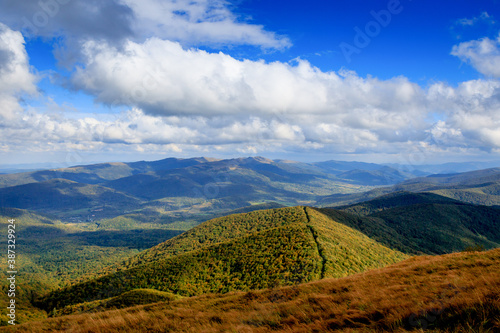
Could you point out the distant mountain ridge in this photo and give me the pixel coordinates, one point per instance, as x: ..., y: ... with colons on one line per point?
x: 179, y: 189
x: 476, y: 187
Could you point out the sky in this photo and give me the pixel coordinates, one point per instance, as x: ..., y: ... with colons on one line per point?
x: 399, y: 81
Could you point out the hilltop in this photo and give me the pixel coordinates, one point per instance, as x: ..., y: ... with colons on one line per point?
x: 457, y: 292
x: 239, y: 252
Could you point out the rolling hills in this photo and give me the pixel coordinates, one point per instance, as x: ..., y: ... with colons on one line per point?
x: 66, y: 198
x: 457, y: 292
x: 98, y: 173
x: 239, y: 252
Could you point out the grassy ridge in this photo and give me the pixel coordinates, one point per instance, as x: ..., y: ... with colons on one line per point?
x: 450, y: 293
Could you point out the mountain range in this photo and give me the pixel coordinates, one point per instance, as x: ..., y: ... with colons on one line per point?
x: 162, y: 193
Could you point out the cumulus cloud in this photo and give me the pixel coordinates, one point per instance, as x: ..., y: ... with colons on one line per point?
x: 482, y: 54
x: 470, y: 113
x: 191, y: 99
x: 16, y: 78
x: 162, y: 78
x: 180, y: 98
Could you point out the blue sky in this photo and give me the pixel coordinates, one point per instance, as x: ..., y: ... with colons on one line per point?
x: 409, y: 81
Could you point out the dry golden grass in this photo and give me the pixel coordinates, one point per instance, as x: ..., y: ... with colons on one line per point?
x: 451, y: 293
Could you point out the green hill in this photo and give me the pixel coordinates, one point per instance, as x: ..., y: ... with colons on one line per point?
x: 240, y: 252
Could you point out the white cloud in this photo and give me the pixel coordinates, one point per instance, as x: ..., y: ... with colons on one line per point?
x: 470, y: 113
x: 469, y: 121
x: 482, y: 54
x: 187, y: 100
x: 162, y: 78
x: 16, y: 78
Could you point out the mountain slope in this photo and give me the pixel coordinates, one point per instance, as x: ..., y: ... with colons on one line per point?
x: 445, y: 228
x: 451, y: 293
x: 423, y: 223
x: 252, y: 178
x: 464, y: 178
x: 240, y: 252
x: 50, y: 254
x: 393, y: 200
